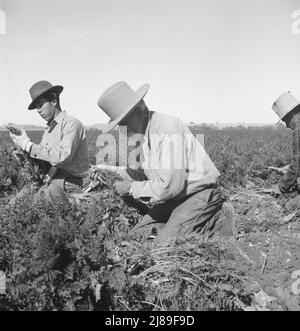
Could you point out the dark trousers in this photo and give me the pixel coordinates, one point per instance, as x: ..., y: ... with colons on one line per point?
x: 196, y: 213
x: 62, y: 184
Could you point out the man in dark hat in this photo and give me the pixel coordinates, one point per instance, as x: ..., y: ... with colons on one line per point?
x: 63, y: 146
x: 175, y: 170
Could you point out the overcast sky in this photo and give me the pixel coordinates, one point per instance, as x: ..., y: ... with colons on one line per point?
x: 207, y: 61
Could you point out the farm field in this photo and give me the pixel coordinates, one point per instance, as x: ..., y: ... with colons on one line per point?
x: 80, y: 257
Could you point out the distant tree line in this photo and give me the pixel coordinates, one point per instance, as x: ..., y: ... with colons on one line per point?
x: 208, y: 127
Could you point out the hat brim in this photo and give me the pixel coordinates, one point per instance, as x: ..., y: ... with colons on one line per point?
x: 140, y: 94
x: 287, y: 113
x: 57, y: 89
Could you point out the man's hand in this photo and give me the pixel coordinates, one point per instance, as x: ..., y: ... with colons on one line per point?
x: 123, y: 188
x: 120, y: 171
x: 94, y: 172
x: 22, y: 141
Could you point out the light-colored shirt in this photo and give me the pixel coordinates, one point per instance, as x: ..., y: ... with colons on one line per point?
x: 175, y: 162
x: 64, y: 145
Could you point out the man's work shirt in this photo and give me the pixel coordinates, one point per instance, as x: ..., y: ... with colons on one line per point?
x: 64, y: 145
x: 175, y: 161
x: 293, y: 172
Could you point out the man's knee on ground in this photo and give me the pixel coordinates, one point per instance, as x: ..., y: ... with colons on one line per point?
x: 52, y: 193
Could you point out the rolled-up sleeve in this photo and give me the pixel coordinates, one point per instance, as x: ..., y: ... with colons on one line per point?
x: 290, y: 178
x: 64, y: 151
x: 167, y: 172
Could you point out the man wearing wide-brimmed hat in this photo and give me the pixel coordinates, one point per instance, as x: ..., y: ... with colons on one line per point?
x: 287, y: 107
x: 63, y: 146
x: 175, y: 170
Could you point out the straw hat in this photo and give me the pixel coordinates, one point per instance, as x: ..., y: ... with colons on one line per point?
x: 119, y: 101
x: 285, y: 104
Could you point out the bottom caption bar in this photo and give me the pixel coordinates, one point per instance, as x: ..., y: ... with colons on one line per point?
x: 149, y: 319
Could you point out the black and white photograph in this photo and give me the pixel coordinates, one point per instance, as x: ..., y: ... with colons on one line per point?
x: 150, y: 158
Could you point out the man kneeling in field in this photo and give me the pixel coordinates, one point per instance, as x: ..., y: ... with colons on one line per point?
x: 63, y: 146
x: 287, y: 107
x: 176, y: 170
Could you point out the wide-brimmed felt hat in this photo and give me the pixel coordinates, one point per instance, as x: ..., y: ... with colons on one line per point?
x: 284, y: 105
x: 40, y: 89
x: 119, y: 101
